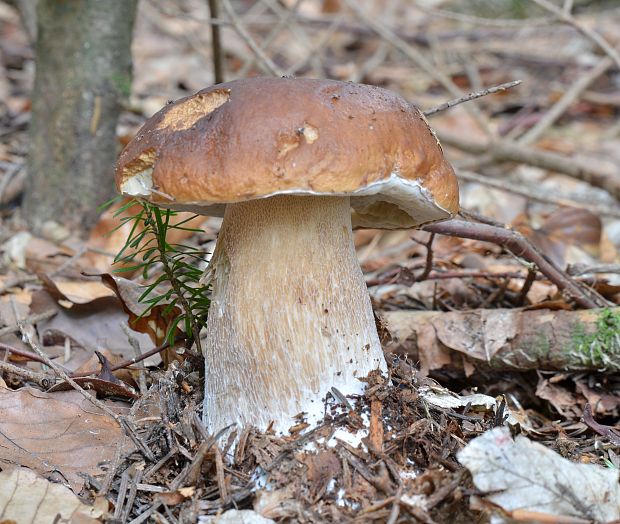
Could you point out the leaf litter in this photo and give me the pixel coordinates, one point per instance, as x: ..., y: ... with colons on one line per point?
x: 394, y: 455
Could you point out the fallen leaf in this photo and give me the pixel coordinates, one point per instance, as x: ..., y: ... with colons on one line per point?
x: 27, y: 498
x: 57, y: 432
x: 93, y: 326
x: 526, y: 476
x: 76, y: 292
x: 237, y: 516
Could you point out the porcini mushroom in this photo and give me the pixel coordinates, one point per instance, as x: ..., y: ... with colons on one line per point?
x: 291, y: 164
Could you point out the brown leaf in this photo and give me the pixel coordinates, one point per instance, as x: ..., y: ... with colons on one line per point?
x: 322, y: 467
x: 57, y: 432
x: 156, y: 323
x: 76, y: 292
x: 28, y: 498
x: 93, y: 326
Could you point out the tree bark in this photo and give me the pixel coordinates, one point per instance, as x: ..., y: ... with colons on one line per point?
x: 507, y: 339
x: 83, y: 78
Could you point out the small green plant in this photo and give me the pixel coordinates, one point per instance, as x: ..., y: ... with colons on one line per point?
x: 601, y: 348
x: 180, y: 267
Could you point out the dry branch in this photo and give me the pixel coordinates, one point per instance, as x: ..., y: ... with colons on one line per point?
x: 538, y: 195
x: 501, y: 339
x: 519, y: 246
x: 501, y: 151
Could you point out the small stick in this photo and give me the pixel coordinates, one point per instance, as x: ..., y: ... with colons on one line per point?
x: 428, y: 266
x: 266, y: 62
x: 219, y: 473
x: 517, y: 244
x: 216, y: 43
x: 129, y: 362
x: 17, y: 282
x: 133, y: 489
x: 560, y: 107
x: 527, y: 285
x: 536, y: 195
x: 506, y: 151
x: 471, y: 96
x: 43, y: 380
x: 22, y: 353
x: 567, y: 18
x: 33, y: 319
x: 122, y: 493
x: 94, y: 400
x: 135, y: 345
x: 376, y: 426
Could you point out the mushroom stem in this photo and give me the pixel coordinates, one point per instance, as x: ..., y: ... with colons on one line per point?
x: 290, y: 315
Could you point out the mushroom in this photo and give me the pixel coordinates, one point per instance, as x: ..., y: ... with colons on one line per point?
x: 292, y: 164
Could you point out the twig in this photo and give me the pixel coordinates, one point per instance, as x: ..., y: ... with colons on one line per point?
x: 266, y: 62
x: 135, y: 345
x: 94, y: 400
x: 8, y: 175
x: 43, y: 380
x: 133, y: 489
x: 62, y: 374
x: 566, y: 17
x: 525, y: 289
x: 491, y: 22
x: 471, y: 96
x: 18, y: 281
x: 122, y: 493
x: 517, y: 244
x: 129, y: 362
x: 583, y: 269
x: 32, y: 319
x: 69, y: 262
x: 608, y: 432
x: 606, y: 179
x: 417, y: 58
x: 537, y: 195
x: 428, y: 265
x: 216, y: 44
x: 219, y: 475
x: 22, y: 353
x: 572, y: 94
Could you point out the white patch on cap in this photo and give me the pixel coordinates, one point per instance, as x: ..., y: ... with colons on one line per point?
x: 140, y: 184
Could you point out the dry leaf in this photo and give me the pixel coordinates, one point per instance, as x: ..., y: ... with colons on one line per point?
x: 526, y: 476
x: 26, y: 498
x: 236, y: 516
x: 57, y: 432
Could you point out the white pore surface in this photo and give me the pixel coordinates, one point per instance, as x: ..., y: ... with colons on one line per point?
x: 409, y: 196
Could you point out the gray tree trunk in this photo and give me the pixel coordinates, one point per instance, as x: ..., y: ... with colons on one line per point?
x: 83, y: 77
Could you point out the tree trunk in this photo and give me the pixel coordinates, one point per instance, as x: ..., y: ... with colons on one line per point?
x: 83, y: 76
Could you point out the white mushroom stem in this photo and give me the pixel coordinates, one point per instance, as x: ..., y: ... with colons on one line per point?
x: 290, y: 316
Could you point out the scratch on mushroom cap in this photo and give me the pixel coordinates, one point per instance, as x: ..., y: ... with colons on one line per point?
x: 261, y: 137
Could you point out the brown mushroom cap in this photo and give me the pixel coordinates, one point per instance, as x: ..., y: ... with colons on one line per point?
x: 261, y: 137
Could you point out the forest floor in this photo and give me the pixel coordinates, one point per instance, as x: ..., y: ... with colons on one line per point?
x: 503, y: 394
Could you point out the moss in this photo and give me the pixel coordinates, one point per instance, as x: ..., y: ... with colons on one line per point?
x: 122, y: 83
x: 601, y: 348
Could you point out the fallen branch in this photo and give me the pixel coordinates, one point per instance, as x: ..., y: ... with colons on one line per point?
x: 598, y: 208
x: 520, y: 247
x: 501, y: 339
x: 502, y: 151
x: 566, y: 17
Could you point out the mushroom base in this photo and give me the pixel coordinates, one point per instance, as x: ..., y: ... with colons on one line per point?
x: 290, y: 316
